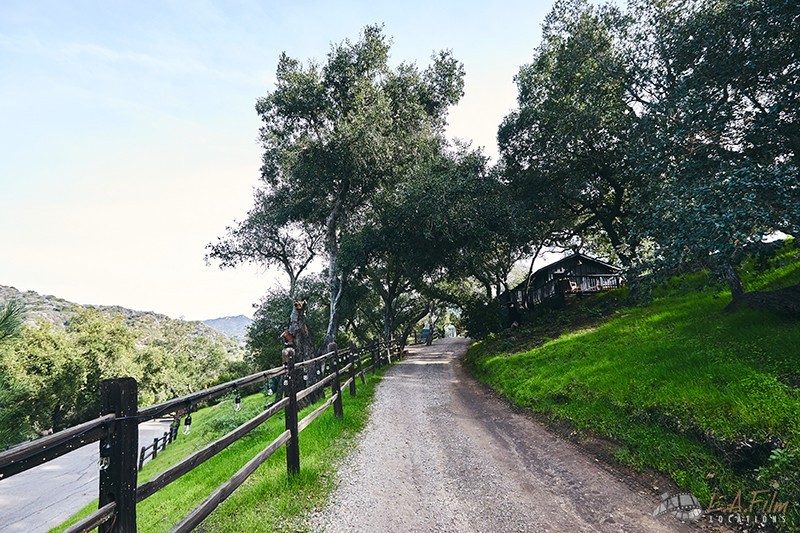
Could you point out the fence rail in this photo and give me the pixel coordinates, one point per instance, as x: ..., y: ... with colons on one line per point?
x: 172, y: 406
x: 94, y: 520
x: 117, y: 431
x: 33, y: 453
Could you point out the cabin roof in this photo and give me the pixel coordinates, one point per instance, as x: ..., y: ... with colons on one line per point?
x: 579, y: 255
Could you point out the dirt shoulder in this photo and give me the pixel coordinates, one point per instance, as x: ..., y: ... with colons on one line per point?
x: 441, y: 453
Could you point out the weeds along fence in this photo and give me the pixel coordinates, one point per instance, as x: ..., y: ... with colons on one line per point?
x: 117, y: 432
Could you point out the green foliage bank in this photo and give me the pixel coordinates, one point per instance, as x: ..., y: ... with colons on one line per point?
x: 708, y: 397
x: 50, y: 374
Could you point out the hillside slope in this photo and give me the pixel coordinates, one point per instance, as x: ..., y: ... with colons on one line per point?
x: 147, y: 324
x: 677, y: 385
x: 51, y: 371
x: 234, y: 327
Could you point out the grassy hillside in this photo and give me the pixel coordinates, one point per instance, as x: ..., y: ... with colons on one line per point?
x: 708, y: 397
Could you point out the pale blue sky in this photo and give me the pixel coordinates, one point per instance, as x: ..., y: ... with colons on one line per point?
x: 129, y: 133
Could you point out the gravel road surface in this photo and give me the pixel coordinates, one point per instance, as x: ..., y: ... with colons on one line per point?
x: 440, y: 453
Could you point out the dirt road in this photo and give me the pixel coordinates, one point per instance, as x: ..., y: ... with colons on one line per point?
x: 440, y: 453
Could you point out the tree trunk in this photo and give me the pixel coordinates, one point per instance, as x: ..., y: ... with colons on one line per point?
x: 292, y: 286
x: 388, y: 320
x: 785, y: 301
x: 299, y: 333
x: 616, y: 242
x: 389, y: 299
x: 409, y: 327
x: 336, y: 288
x: 335, y: 283
x: 734, y: 282
x: 303, y: 343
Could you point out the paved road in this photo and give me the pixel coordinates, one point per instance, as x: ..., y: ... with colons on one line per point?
x: 45, y: 496
x: 440, y: 453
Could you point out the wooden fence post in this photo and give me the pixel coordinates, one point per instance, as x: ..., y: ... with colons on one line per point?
x: 352, y: 358
x: 118, y: 479
x: 373, y: 351
x: 141, y: 457
x: 336, y: 388
x: 293, y: 445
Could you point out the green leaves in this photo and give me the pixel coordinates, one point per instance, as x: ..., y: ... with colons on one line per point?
x: 719, y: 164
x: 338, y: 138
x: 565, y: 149
x: 11, y: 315
x: 50, y: 376
x: 668, y: 131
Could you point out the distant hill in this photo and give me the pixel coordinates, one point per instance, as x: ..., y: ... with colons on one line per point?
x: 146, y: 323
x: 234, y: 327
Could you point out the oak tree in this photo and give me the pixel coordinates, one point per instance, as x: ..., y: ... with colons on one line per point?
x: 335, y: 135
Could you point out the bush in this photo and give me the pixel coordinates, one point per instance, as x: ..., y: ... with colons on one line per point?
x: 782, y: 473
x: 482, y: 317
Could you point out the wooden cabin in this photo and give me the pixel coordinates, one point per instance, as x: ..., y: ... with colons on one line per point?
x: 576, y: 274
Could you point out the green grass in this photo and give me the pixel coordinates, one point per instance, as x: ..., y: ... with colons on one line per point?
x: 678, y: 383
x: 269, y: 500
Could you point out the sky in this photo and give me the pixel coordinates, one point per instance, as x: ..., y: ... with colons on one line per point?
x: 128, y: 134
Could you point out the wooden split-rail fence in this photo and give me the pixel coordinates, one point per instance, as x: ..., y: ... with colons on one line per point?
x: 117, y: 432
x: 159, y: 444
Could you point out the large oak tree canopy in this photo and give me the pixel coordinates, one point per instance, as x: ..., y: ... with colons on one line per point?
x: 718, y: 82
x: 566, y: 148
x: 669, y: 129
x: 664, y: 135
x: 336, y: 135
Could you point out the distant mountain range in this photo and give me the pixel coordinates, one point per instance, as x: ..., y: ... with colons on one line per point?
x: 59, y: 312
x: 234, y: 327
